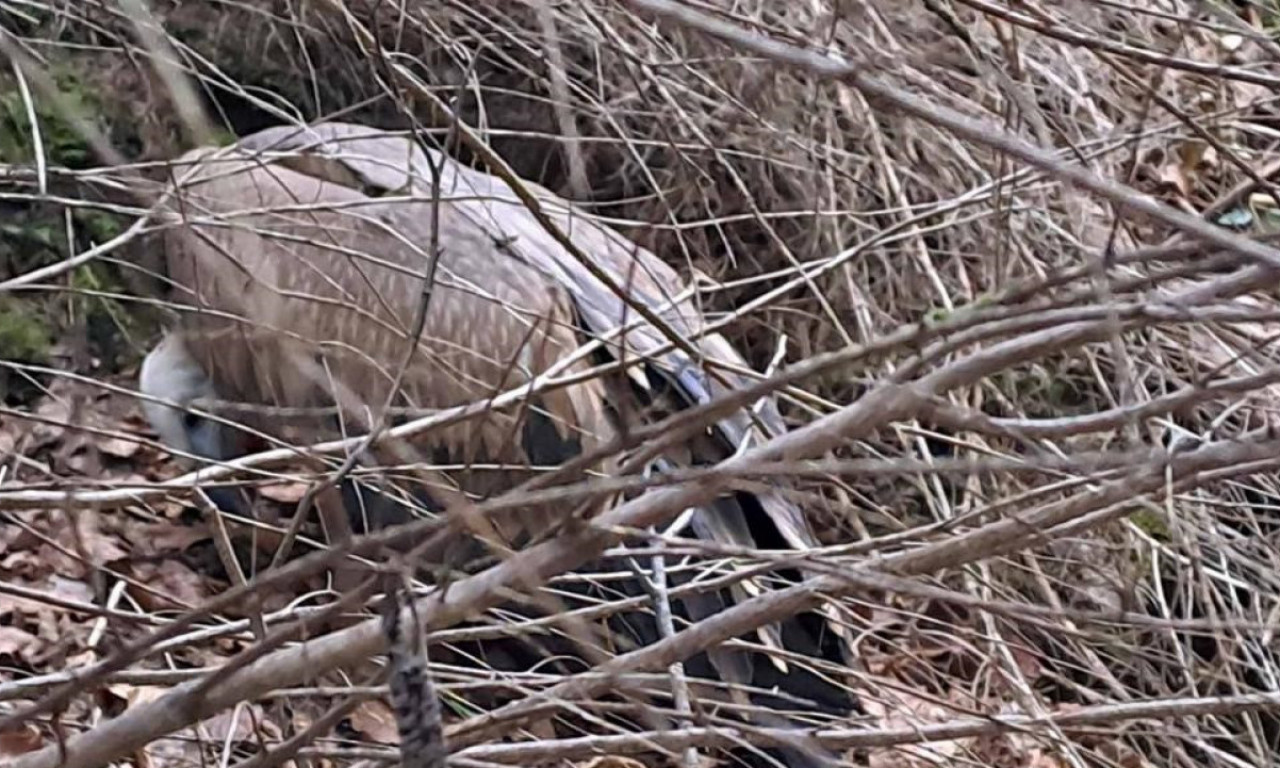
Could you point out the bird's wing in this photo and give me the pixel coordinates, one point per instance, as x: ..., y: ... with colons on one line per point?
x: 304, y: 293
x: 373, y: 159
x: 369, y: 157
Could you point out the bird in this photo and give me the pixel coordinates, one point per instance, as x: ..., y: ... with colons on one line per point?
x: 304, y: 258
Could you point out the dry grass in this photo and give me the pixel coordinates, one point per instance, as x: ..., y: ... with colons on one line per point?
x: 971, y: 341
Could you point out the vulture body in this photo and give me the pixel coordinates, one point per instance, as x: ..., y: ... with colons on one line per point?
x: 300, y: 262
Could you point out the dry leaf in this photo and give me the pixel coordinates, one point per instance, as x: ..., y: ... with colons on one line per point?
x: 1028, y: 662
x: 103, y: 548
x: 134, y: 695
x: 136, y: 423
x: 287, y: 492
x: 151, y: 539
x: 908, y: 711
x: 170, y: 753
x: 1173, y: 178
x: 83, y: 460
x: 1013, y: 750
x: 15, y: 538
x: 117, y: 447
x: 1184, y: 174
x: 80, y: 660
x: 24, y: 564
x: 53, y: 413
x: 72, y: 590
x: 171, y: 579
x: 87, y: 542
x: 236, y: 724
x: 612, y: 761
x: 376, y: 722
x: 17, y: 643
x: 20, y: 740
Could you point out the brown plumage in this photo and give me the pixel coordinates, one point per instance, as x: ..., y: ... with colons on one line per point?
x: 317, y: 268
x: 301, y: 262
x: 305, y: 290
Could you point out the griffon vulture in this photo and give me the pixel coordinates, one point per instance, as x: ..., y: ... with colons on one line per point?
x: 301, y: 259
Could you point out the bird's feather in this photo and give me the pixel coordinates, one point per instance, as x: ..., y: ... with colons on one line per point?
x: 322, y: 233
x: 302, y: 293
x: 396, y: 164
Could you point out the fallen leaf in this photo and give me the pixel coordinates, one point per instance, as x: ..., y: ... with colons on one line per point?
x: 1173, y: 178
x: 24, y: 564
x: 287, y: 492
x: 83, y: 459
x: 151, y: 539
x: 133, y: 695
x: 53, y: 413
x: 236, y: 724
x: 102, y: 547
x: 612, y: 761
x: 170, y: 753
x: 1011, y: 750
x: 80, y: 660
x: 20, y: 740
x: 136, y: 423
x: 1028, y: 662
x: 14, y: 538
x: 904, y: 710
x: 14, y: 610
x: 16, y: 643
x: 173, y: 580
x: 117, y: 447
x: 1194, y: 159
x: 376, y: 722
x: 72, y: 590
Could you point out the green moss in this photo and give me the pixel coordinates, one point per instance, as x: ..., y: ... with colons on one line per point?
x: 937, y: 316
x: 31, y: 236
x: 223, y: 137
x: 982, y: 301
x: 36, y: 236
x: 1152, y: 523
x: 24, y: 335
x: 109, y: 325
x: 61, y: 142
x: 98, y: 226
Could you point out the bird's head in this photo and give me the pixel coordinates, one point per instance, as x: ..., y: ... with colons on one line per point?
x: 169, y: 372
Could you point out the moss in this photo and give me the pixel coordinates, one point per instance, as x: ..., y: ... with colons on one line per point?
x: 98, y: 226
x: 31, y: 236
x: 61, y: 142
x: 223, y: 137
x: 36, y: 236
x: 1152, y: 523
x: 937, y: 316
x: 109, y: 326
x: 983, y: 300
x: 25, y: 336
